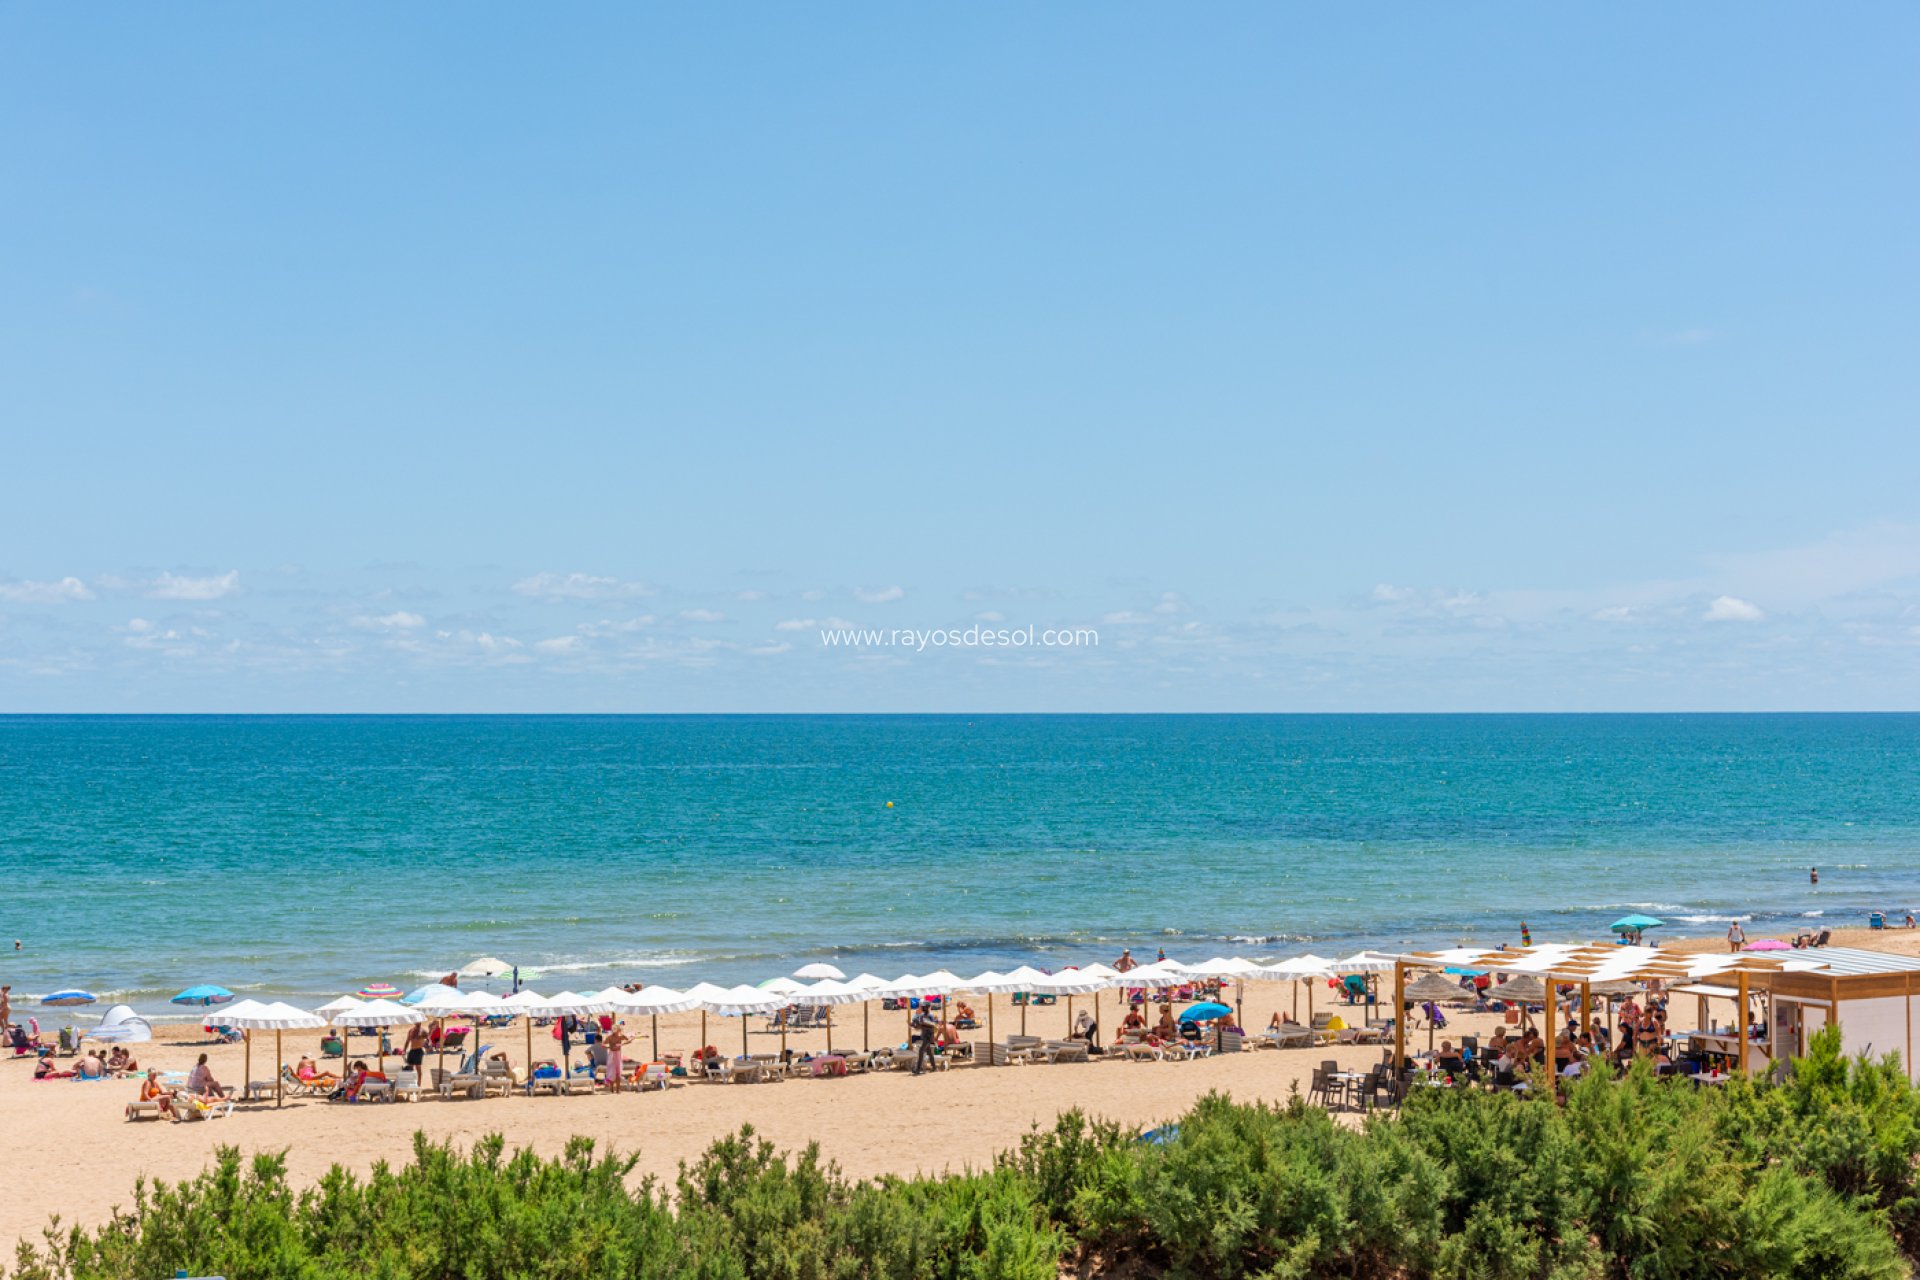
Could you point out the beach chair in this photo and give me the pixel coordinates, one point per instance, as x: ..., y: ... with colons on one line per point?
x: 1320, y: 1086
x: 654, y: 1075
x: 453, y: 1040
x: 406, y: 1082
x: 147, y: 1107
x: 189, y: 1108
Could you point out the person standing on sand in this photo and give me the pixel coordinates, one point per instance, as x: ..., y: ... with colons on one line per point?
x: 416, y: 1047
x: 924, y: 1026
x: 1126, y: 961
x: 6, y: 1004
x: 615, y: 1040
x: 1736, y: 936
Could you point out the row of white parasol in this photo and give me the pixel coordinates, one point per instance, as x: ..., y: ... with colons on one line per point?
x: 830, y: 989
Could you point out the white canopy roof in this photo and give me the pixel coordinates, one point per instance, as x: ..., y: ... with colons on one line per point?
x: 378, y: 1013
x: 335, y: 1006
x: 742, y: 1000
x: 572, y: 1004
x: 526, y: 1000
x: 781, y: 986
x: 1074, y: 982
x: 1363, y: 962
x: 827, y: 991
x: 485, y: 967
x: 1225, y: 967
x: 819, y: 969
x: 252, y: 1015
x: 440, y: 998
x: 652, y: 1000
x: 1159, y: 973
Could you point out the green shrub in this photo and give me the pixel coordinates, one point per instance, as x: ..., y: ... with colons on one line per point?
x: 1631, y: 1179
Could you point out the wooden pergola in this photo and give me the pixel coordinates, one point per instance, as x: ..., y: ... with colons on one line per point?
x: 1583, y: 965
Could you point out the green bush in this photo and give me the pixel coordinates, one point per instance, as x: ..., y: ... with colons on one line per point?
x: 1631, y: 1179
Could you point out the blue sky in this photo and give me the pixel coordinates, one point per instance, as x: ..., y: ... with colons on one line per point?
x: 491, y: 358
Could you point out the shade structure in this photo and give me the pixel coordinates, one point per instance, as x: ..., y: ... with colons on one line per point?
x: 484, y: 967
x: 572, y: 1004
x: 68, y: 999
x: 1161, y: 973
x: 1074, y: 982
x: 1022, y: 979
x: 335, y: 1006
x: 524, y: 1004
x: 869, y: 987
x: 739, y: 1002
x: 1525, y: 989
x: 651, y: 1002
x: 827, y: 993
x: 1431, y: 986
x: 438, y: 998
x: 1205, y: 1011
x: 379, y: 991
x: 377, y: 1013
x: 781, y: 986
x: 1223, y: 967
x: 203, y: 995
x: 251, y: 1016
x: 1616, y: 987
x: 819, y: 969
x: 1634, y: 923
x: 121, y: 1025
x: 1768, y: 944
x: 1362, y: 962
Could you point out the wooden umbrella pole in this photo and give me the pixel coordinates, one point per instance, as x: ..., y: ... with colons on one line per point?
x: 279, y: 1069
x: 246, y: 1085
x: 743, y: 1035
x: 866, y: 1026
x: 829, y: 1011
x: 656, y: 1037
x: 990, y: 1036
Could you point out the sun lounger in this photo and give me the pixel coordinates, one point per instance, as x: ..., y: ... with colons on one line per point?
x: 189, y: 1108
x: 1141, y: 1051
x: 149, y: 1107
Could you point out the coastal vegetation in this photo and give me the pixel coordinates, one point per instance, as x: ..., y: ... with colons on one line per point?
x: 1630, y: 1178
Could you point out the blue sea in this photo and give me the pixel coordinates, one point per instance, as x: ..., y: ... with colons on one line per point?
x: 300, y: 857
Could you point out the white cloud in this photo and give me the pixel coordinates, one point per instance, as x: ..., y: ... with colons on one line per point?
x: 1732, y: 609
x: 1125, y: 617
x: 750, y: 595
x: 170, y: 586
x: 561, y: 644
x: 399, y: 620
x: 839, y: 624
x: 579, y: 586
x: 1171, y: 603
x: 65, y: 591
x: 879, y: 595
x: 1615, y: 613
x: 795, y: 624
x: 1387, y: 593
x: 991, y: 615
x: 702, y: 615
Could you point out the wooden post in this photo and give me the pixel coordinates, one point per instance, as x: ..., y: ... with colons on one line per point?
x: 1586, y: 1006
x: 1399, y: 1018
x: 1741, y: 1030
x: 1553, y: 998
x: 246, y: 1085
x: 279, y: 1069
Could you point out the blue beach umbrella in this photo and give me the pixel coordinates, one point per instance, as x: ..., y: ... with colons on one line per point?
x: 204, y: 994
x: 68, y: 999
x: 1635, y: 923
x: 1205, y: 1011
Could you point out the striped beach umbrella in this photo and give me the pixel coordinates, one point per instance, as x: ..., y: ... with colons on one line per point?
x: 378, y: 991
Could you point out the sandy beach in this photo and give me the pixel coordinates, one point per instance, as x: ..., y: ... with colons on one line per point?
x: 887, y: 1122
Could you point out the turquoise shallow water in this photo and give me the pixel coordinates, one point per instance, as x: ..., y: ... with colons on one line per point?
x: 305, y: 855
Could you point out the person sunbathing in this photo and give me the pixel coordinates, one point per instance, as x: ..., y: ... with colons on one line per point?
x: 200, y: 1081
x: 963, y: 1016
x: 90, y: 1068
x: 313, y: 1077
x: 43, y: 1070
x: 121, y: 1063
x: 151, y: 1090
x: 1166, y: 1028
x: 1133, y: 1021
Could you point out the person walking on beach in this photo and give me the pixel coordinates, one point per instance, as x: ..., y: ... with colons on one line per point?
x: 924, y: 1026
x: 1736, y: 936
x: 1126, y: 961
x: 6, y: 1007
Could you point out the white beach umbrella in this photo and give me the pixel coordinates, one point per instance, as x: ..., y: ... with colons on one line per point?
x: 825, y: 994
x: 1363, y: 962
x: 741, y: 1002
x: 782, y: 986
x: 565, y: 1004
x: 1022, y: 979
x: 654, y: 1001
x: 332, y: 1007
x: 379, y: 1014
x: 869, y: 987
x: 251, y: 1016
x: 819, y: 970
x: 524, y: 1003
x: 484, y: 967
x: 1089, y: 981
x: 1305, y: 969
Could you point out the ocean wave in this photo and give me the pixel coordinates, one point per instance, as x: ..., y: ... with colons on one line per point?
x: 1712, y: 919
x: 1811, y: 915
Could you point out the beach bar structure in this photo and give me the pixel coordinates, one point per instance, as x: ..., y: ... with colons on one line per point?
x: 1873, y: 996
x: 1583, y: 967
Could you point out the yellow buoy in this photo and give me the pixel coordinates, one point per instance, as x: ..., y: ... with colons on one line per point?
x: 889, y: 804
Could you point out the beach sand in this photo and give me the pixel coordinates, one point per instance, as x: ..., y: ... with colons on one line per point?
x: 84, y: 1156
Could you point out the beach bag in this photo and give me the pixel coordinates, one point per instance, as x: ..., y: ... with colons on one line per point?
x: 1512, y: 1016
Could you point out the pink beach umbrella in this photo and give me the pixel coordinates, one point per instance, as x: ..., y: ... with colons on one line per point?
x: 1767, y: 944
